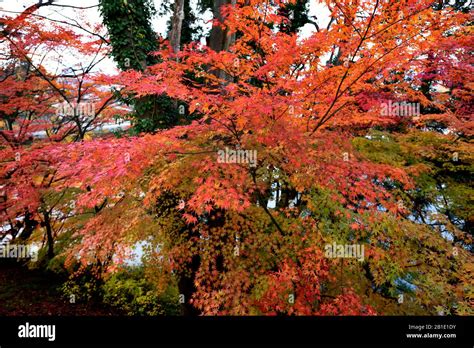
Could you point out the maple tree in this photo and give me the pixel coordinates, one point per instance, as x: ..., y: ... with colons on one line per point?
x: 249, y: 238
x: 63, y: 106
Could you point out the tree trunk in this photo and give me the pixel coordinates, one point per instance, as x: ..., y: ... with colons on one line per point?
x: 187, y: 288
x: 176, y: 25
x: 220, y: 39
x: 49, y: 235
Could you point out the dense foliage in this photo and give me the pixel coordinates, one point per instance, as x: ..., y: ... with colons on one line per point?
x: 312, y: 159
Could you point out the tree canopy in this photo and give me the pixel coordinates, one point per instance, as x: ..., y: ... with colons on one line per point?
x: 284, y: 157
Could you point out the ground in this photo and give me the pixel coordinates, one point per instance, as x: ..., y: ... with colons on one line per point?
x: 35, y: 293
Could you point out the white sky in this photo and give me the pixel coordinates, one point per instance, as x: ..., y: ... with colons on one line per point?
x: 92, y: 14
x: 159, y: 23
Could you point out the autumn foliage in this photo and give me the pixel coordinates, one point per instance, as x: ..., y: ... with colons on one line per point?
x: 330, y: 167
